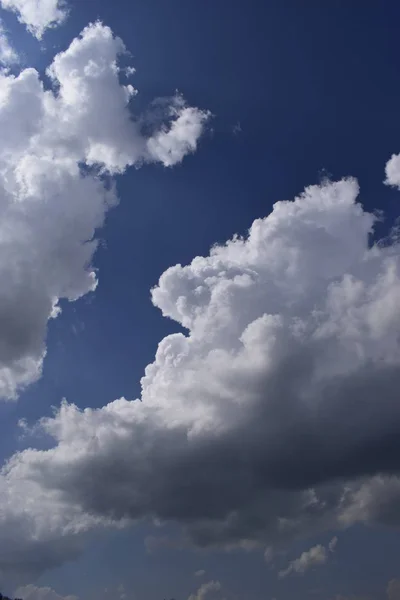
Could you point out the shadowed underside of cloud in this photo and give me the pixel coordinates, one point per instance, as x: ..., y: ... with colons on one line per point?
x: 275, y: 416
x: 38, y: 15
x: 59, y: 150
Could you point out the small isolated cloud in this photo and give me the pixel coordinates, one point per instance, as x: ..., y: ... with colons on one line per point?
x: 332, y: 544
x: 237, y: 128
x: 129, y: 71
x: 31, y: 592
x: 207, y: 590
x: 8, y: 56
x: 38, y: 15
x: 170, y: 145
x: 315, y: 556
x: 392, y: 171
x: 200, y: 573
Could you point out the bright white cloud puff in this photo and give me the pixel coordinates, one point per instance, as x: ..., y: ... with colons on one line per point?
x: 49, y: 207
x: 38, y: 15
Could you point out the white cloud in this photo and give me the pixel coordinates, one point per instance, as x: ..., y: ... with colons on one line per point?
x: 31, y: 592
x: 393, y: 171
x: 314, y: 557
x: 8, y: 56
x: 206, y: 590
x: 274, y: 416
x: 170, y: 145
x: 50, y: 208
x: 200, y: 573
x: 38, y: 15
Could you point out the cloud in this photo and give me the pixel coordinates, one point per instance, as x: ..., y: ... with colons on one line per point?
x: 169, y: 146
x: 38, y: 15
x: 273, y: 417
x: 8, y: 56
x: 314, y: 557
x: 200, y: 573
x: 60, y: 148
x: 393, y: 589
x: 206, y: 590
x: 392, y: 171
x: 332, y: 544
x: 31, y: 592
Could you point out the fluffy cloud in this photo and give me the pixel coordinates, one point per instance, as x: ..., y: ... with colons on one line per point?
x: 31, y: 592
x: 275, y: 415
x: 59, y: 149
x: 315, y: 556
x: 393, y: 171
x: 38, y: 15
x: 200, y: 573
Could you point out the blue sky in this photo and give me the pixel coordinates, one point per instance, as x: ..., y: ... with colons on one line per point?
x: 297, y: 94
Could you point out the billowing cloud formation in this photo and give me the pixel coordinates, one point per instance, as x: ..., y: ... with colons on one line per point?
x: 31, y: 592
x: 8, y: 56
x: 275, y: 415
x: 315, y: 556
x: 51, y: 204
x: 38, y: 15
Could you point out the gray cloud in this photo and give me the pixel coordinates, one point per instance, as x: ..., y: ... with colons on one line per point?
x: 207, y: 590
x: 32, y: 592
x: 314, y: 557
x: 275, y: 416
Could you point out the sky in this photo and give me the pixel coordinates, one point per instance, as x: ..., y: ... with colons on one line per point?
x: 199, y: 300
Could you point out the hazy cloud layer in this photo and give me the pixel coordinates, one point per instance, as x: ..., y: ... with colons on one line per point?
x: 31, y: 592
x: 51, y: 204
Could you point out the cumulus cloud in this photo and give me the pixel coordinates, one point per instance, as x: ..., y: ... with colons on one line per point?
x: 8, y: 56
x: 59, y: 150
x: 207, y: 590
x: 393, y: 171
x: 38, y: 15
x: 171, y: 144
x: 31, y: 592
x: 315, y: 556
x: 274, y: 415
